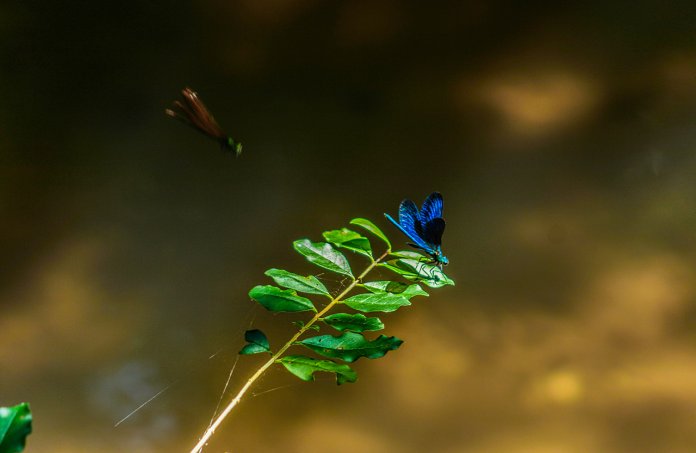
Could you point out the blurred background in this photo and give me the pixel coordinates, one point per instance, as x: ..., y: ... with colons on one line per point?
x: 563, y: 138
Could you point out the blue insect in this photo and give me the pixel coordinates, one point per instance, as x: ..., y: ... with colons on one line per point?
x: 424, y: 227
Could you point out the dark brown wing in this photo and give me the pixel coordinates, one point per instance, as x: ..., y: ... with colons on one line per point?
x: 181, y: 115
x: 200, y: 116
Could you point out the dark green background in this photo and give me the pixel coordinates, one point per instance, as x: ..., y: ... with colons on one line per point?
x: 562, y: 137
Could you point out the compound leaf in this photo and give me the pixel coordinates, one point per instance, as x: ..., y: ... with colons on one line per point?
x: 419, y: 271
x: 350, y: 346
x: 409, y: 254
x: 280, y: 300
x: 372, y: 228
x: 309, y: 284
x: 257, y: 342
x: 349, y: 240
x: 304, y: 368
x: 403, y: 289
x: 323, y: 255
x: 353, y: 322
x: 15, y: 426
x: 382, y: 301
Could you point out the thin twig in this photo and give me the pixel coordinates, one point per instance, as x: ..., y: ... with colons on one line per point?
x: 144, y: 404
x: 211, y: 429
x: 224, y: 390
x: 254, y: 395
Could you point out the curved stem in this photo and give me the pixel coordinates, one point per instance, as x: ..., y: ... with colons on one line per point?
x: 209, y: 432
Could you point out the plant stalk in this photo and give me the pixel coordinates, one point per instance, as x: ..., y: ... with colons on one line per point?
x: 211, y: 429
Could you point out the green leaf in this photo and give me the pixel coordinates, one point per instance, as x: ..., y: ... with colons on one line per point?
x: 354, y: 323
x: 350, y: 346
x: 410, y: 254
x: 309, y: 284
x: 257, y: 342
x: 403, y: 289
x: 369, y: 302
x: 372, y: 228
x: 15, y: 426
x: 304, y: 368
x: 323, y: 255
x: 349, y: 240
x: 276, y: 299
x: 250, y: 349
x: 419, y: 271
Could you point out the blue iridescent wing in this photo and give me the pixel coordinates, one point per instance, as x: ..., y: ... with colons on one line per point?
x: 432, y: 231
x: 408, y: 219
x: 432, y: 209
x: 410, y: 222
x: 410, y: 225
x: 391, y: 219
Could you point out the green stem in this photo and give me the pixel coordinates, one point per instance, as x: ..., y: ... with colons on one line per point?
x: 209, y: 432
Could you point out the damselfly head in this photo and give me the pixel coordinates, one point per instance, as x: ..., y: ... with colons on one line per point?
x: 231, y: 145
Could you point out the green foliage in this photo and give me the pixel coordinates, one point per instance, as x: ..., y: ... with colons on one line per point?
x: 304, y: 368
x: 276, y: 299
x: 324, y: 255
x: 370, y: 302
x: 419, y: 271
x: 410, y: 254
x: 15, y: 426
x: 350, y: 346
x: 372, y: 228
x: 349, y: 240
x: 309, y: 284
x: 257, y: 343
x: 372, y: 296
x: 360, y: 295
x: 402, y: 289
x: 353, y: 322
